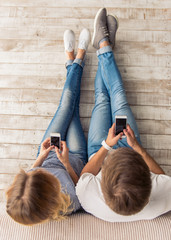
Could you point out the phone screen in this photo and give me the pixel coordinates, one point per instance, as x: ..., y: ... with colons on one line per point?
x: 55, y: 141
x: 120, y: 125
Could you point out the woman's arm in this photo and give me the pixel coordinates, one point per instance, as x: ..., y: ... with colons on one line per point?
x: 151, y: 163
x: 63, y: 156
x: 95, y: 163
x: 44, y: 151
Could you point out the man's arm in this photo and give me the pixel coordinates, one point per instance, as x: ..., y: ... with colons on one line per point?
x: 95, y: 163
x: 151, y: 163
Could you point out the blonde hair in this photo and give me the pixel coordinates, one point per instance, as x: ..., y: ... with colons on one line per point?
x: 35, y: 197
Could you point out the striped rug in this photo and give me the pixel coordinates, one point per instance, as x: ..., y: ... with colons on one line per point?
x: 82, y: 226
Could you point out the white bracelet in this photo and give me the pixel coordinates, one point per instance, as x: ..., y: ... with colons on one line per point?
x: 104, y: 144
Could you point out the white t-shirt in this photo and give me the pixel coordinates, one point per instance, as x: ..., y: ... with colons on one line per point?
x: 90, y: 195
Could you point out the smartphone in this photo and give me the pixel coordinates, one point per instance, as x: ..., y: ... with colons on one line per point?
x: 120, y: 124
x: 55, y: 139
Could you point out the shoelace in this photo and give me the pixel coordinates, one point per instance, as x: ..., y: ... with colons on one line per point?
x: 105, y: 30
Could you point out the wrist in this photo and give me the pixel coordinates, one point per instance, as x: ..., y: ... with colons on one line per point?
x: 67, y: 165
x: 138, y: 148
x: 105, y: 145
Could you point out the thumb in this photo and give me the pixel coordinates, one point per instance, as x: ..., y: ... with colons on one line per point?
x: 118, y: 136
x: 49, y: 149
x: 126, y: 133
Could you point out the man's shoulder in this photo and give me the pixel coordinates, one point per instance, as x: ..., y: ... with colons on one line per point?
x: 91, y: 198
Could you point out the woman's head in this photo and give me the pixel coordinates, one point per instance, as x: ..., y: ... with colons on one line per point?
x: 35, y: 197
x: 126, y: 182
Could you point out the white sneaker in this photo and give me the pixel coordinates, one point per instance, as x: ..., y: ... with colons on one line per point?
x: 84, y: 39
x: 69, y: 40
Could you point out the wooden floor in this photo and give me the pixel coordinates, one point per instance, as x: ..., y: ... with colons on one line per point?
x: 32, y: 72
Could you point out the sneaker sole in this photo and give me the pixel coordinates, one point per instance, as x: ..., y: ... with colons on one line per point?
x: 95, y: 20
x: 117, y: 20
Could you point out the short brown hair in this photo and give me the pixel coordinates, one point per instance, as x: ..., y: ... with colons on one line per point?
x: 35, y: 197
x: 126, y: 181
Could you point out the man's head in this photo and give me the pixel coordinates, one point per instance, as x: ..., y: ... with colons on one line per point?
x: 126, y: 182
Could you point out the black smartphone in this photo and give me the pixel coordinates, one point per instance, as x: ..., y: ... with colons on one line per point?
x: 55, y: 139
x: 120, y: 124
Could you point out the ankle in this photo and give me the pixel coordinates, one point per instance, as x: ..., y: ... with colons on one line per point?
x: 70, y: 55
x: 80, y: 53
x: 104, y: 44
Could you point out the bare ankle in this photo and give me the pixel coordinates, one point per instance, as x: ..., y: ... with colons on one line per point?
x: 70, y: 55
x: 80, y: 53
x: 104, y: 44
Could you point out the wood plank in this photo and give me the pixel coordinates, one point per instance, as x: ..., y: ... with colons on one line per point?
x: 48, y: 109
x: 25, y: 122
x: 51, y: 33
x: 18, y: 151
x: 6, y: 180
x: 13, y: 166
x: 121, y: 59
x: 87, y: 96
x: 34, y: 137
x: 167, y: 169
x: 85, y: 3
x: 22, y: 45
x: 162, y: 156
x: 38, y: 109
x: 155, y: 127
x: 32, y: 82
x: 156, y: 141
x: 59, y: 71
x: 2, y: 196
x: 124, y: 24
x: 85, y: 13
x: 151, y: 112
x: 14, y: 151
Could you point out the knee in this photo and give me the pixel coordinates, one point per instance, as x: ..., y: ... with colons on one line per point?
x: 102, y: 97
x: 67, y: 97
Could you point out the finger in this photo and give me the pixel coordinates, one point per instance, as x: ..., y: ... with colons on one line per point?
x: 47, y: 140
x: 50, y: 148
x: 65, y: 148
x: 113, y: 126
x: 130, y: 131
x: 129, y: 128
x: 127, y: 134
x: 57, y: 151
x: 64, y: 144
x: 117, y: 137
x: 61, y: 145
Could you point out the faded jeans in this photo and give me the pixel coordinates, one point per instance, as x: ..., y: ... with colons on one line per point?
x: 110, y: 100
x: 66, y: 120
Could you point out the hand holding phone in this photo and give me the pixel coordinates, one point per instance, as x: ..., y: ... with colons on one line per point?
x: 55, y: 140
x: 120, y: 124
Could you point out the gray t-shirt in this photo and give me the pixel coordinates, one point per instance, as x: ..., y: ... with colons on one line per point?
x: 53, y: 165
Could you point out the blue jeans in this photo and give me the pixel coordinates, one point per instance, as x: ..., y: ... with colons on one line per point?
x: 66, y: 120
x: 110, y: 100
